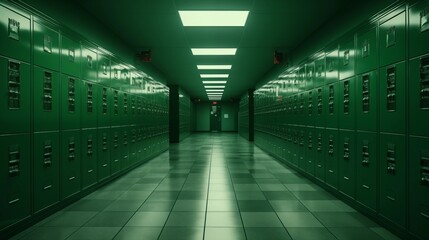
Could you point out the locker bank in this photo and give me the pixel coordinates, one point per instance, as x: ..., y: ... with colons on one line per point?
x: 207, y: 119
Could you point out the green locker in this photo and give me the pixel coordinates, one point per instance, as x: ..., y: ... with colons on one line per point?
x: 133, y: 109
x: 15, y: 96
x: 419, y: 187
x: 89, y: 164
x: 366, y: 51
x: 331, y: 96
x: 392, y: 39
x: 301, y: 131
x: 320, y: 74
x: 347, y: 101
x: 104, y: 103
x: 104, y: 70
x: 418, y: 26
x: 139, y: 144
x: 70, y: 56
x: 332, y: 62
x: 115, y: 74
x: 46, y: 170
x: 310, y: 151
x: 133, y: 145
x: 310, y: 109
x: 347, y: 56
x: 70, y: 163
x: 46, y: 100
x: 309, y: 75
x: 116, y: 108
x: 366, y: 101
x: 320, y: 119
x: 366, y: 169
x: 125, y: 114
x: 124, y: 147
x: 331, y: 157
x: 115, y: 151
x: 419, y: 95
x: 103, y: 153
x: 392, y: 174
x: 392, y: 98
x: 15, y: 178
x: 347, y: 163
x: 89, y: 63
x: 71, y: 88
x: 89, y: 104
x: 15, y: 34
x: 46, y: 46
x: 320, y: 163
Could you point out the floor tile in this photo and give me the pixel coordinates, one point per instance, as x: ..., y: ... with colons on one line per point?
x: 138, y: 233
x: 385, y: 234
x: 270, y: 233
x: 49, y: 233
x: 298, y: 219
x: 89, y: 205
x: 148, y: 219
x: 338, y: 219
x: 254, y: 206
x: 186, y: 219
x: 279, y: 195
x: 354, y: 233
x: 222, y: 205
x: 181, y: 233
x: 288, y: 206
x: 190, y: 206
x: 306, y: 233
x: 272, y: 187
x: 109, y: 219
x: 95, y: 233
x: 124, y: 205
x: 313, y: 195
x: 301, y: 187
x: 160, y: 206
x: 223, y: 219
x: 260, y: 219
x: 327, y: 206
x: 245, y: 195
x: 163, y: 196
x: 71, y: 219
x: 224, y: 234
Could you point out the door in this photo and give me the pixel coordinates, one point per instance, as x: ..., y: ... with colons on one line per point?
x: 215, y: 118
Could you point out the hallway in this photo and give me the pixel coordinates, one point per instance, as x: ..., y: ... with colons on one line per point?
x: 210, y: 186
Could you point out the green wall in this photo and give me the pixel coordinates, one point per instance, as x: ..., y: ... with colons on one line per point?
x: 201, y: 116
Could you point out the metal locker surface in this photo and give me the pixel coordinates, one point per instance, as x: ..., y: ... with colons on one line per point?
x: 71, y: 88
x: 347, y: 163
x: 89, y: 63
x: 302, y: 135
x: 15, y: 96
x: 366, y: 50
x: 132, y: 145
x: 320, y: 71
x: 320, y: 107
x: 310, y: 107
x: 104, y: 150
x: 14, y: 34
x: 392, y: 98
x: 347, y: 104
x: 392, y: 173
x: 321, y: 148
x: 419, y: 187
x: 347, y: 57
x: 89, y: 164
x: 309, y: 75
x: 310, y: 149
x: 392, y: 39
x: 332, y: 62
x: 331, y: 157
x: 15, y: 178
x: 366, y: 101
x: 46, y: 170
x: 104, y: 104
x: 124, y: 144
x: 115, y: 151
x: 46, y: 100
x: 104, y: 70
x: 70, y: 163
x: 419, y: 96
x: 70, y: 56
x: 89, y: 110
x: 330, y: 104
x: 46, y: 46
x: 418, y: 27
x: 366, y: 169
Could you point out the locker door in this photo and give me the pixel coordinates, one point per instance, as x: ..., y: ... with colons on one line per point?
x: 89, y: 63
x: 70, y: 56
x: 320, y: 73
x: 133, y: 145
x: 125, y: 162
x: 70, y: 163
x: 332, y: 158
x: 366, y: 169
x: 347, y: 101
x: 366, y: 101
x: 418, y: 25
x: 419, y: 96
x: 347, y: 163
x: 302, y: 147
x: 89, y: 158
x: 46, y: 46
x: 366, y: 51
x: 310, y: 151
x: 46, y: 100
x: 15, y: 178
x: 392, y: 178
x: 103, y: 153
x: 347, y: 58
x: 89, y: 106
x: 104, y: 70
x: 70, y: 102
x: 331, y: 102
x: 310, y: 75
x: 332, y: 62
x: 419, y: 187
x: 115, y: 154
x: 104, y: 98
x: 310, y: 107
x: 15, y: 96
x: 320, y: 119
x: 46, y: 175
x: 320, y: 163
x: 392, y: 98
x: 114, y: 116
x: 14, y: 35
x: 392, y: 40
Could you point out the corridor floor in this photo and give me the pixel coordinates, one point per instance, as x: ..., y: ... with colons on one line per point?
x: 211, y: 186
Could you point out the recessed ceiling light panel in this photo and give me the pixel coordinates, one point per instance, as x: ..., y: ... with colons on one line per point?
x: 214, y: 51
x: 214, y: 67
x: 213, y: 18
x: 214, y: 82
x: 214, y: 90
x: 214, y: 75
x: 215, y: 86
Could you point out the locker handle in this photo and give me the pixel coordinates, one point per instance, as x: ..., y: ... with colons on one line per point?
x: 14, y: 201
x: 424, y: 215
x: 90, y: 171
x: 331, y: 171
x: 365, y: 186
x: 47, y: 187
x: 319, y: 166
x: 346, y: 178
x: 104, y: 165
x: 72, y: 178
x: 391, y: 198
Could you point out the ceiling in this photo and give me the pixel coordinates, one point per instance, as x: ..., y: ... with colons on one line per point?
x: 271, y: 25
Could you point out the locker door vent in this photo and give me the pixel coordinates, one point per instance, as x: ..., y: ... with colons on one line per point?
x: 71, y: 55
x: 331, y: 146
x: 90, y: 147
x: 365, y: 154
x: 365, y: 93
x: 89, y: 102
x: 346, y: 146
x: 89, y: 61
x: 424, y: 83
x: 115, y: 102
x: 47, y: 154
x: 301, y: 105
x: 319, y: 142
x: 331, y: 100
x: 310, y: 103
x: 346, y: 58
x: 115, y: 140
x: 72, y: 150
x: 424, y: 20
x: 14, y: 161
x: 346, y: 97
x: 310, y: 141
x: 319, y: 101
x: 104, y: 101
x: 391, y: 36
x: 104, y: 68
x: 391, y: 159
x: 125, y: 103
x: 125, y: 139
x: 104, y: 143
x: 14, y: 27
x: 71, y: 93
x: 47, y: 91
x: 391, y: 89
x: 14, y: 85
x: 424, y: 170
x: 47, y: 44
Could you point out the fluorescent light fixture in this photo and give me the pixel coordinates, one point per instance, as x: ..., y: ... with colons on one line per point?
x: 216, y: 86
x: 214, y: 51
x: 213, y: 18
x: 215, y: 93
x: 214, y: 82
x: 214, y: 90
x: 214, y: 75
x: 214, y: 67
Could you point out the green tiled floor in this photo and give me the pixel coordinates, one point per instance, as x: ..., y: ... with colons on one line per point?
x: 210, y: 186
